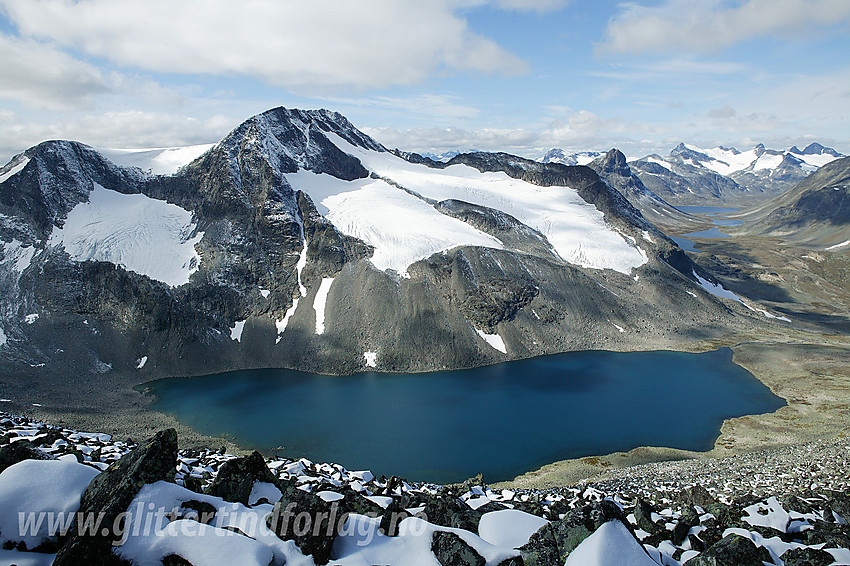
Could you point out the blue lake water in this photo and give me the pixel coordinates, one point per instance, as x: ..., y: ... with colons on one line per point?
x: 499, y: 420
x: 715, y: 213
x: 712, y: 232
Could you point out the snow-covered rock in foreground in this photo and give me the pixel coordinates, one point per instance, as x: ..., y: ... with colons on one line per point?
x: 611, y: 545
x: 35, y: 493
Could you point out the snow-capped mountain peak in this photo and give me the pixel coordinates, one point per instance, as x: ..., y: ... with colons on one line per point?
x: 556, y: 155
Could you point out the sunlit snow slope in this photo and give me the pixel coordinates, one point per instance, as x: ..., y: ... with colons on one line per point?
x: 403, y: 227
x: 144, y: 235
x: 159, y: 161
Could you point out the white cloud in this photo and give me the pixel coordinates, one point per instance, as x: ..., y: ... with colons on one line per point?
x: 701, y: 26
x: 38, y: 75
x: 130, y: 129
x: 580, y: 131
x: 435, y: 107
x: 308, y: 46
x: 516, y: 5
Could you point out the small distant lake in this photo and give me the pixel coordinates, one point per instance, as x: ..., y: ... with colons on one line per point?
x: 716, y: 215
x: 500, y: 420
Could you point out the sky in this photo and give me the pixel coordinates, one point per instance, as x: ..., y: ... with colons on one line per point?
x: 520, y: 76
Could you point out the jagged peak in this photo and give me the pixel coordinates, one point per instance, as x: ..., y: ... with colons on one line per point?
x: 323, y: 120
x: 614, y: 161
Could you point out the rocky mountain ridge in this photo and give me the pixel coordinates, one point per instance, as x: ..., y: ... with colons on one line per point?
x: 300, y: 242
x: 693, y: 175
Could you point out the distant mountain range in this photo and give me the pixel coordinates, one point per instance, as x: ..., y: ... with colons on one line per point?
x: 298, y: 241
x: 815, y: 213
x: 690, y: 174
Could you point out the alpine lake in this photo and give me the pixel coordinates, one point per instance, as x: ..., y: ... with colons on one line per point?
x: 500, y: 420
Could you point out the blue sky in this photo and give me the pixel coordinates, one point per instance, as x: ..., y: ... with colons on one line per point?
x: 512, y: 75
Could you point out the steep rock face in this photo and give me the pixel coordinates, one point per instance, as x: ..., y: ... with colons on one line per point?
x: 614, y: 169
x: 291, y: 213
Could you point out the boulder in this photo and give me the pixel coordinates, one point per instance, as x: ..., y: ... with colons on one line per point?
x: 308, y: 520
x: 807, y: 557
x: 110, y: 494
x: 51, y: 436
x: 353, y: 502
x: 451, y: 550
x: 643, y: 516
x: 175, y: 560
x: 448, y: 511
x: 236, y: 477
x: 394, y: 514
x: 697, y: 495
x: 680, y: 532
x: 733, y: 550
x: 11, y: 454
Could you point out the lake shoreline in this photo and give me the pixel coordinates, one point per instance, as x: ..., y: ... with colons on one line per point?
x: 815, y: 411
x: 812, y: 414
x: 499, y: 421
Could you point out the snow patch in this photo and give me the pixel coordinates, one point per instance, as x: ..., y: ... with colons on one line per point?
x: 14, y: 170
x: 494, y: 340
x: 371, y: 359
x: 280, y: 325
x: 618, y: 327
x: 659, y: 161
x: 509, y: 528
x: 299, y: 267
x: 159, y: 161
x: 40, y: 486
x: 236, y: 330
x: 611, y: 545
x: 17, y: 254
x: 265, y: 293
x: 769, y: 514
x: 836, y: 246
x: 320, y: 302
x: 141, y: 362
x: 718, y: 290
x: 31, y: 318
x: 3, y: 338
x: 264, y: 490
x: 144, y: 235
x: 360, y: 543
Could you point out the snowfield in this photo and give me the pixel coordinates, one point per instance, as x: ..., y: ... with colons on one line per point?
x: 144, y: 235
x: 400, y: 220
x: 402, y: 228
x: 158, y: 161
